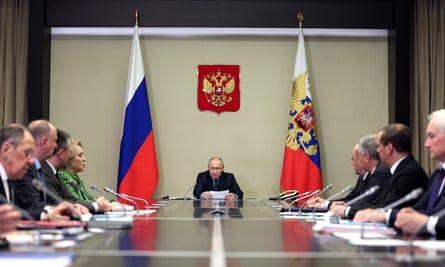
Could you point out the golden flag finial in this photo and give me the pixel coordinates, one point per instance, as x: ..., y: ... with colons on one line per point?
x: 300, y: 19
x: 136, y: 18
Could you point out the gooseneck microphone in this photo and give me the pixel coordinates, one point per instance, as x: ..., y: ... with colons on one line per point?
x: 333, y: 217
x: 25, y: 213
x: 95, y: 188
x: 341, y: 192
x: 41, y: 187
x: 368, y: 192
x: 410, y: 196
x: 305, y: 196
x: 326, y: 188
x: 187, y: 192
x: 421, y: 228
x: 285, y: 195
x: 108, y: 190
x: 137, y: 198
x: 98, y: 190
x: 27, y: 216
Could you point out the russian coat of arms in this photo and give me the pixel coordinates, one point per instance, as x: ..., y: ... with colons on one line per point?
x: 218, y: 88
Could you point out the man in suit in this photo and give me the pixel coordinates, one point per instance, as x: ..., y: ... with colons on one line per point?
x: 377, y: 174
x: 55, y: 184
x: 26, y: 196
x: 433, y: 201
x: 394, y: 148
x: 322, y: 204
x: 215, y: 179
x: 16, y: 150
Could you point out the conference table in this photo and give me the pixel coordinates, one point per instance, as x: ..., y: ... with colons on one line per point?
x: 251, y: 232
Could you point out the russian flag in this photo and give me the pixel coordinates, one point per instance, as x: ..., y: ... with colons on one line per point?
x: 301, y: 164
x: 138, y: 169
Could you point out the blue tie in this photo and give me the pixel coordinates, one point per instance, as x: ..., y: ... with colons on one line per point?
x: 41, y: 178
x: 215, y: 184
x: 435, y: 190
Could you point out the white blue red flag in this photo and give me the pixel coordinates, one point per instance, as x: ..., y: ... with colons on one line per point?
x: 138, y: 169
x: 301, y: 164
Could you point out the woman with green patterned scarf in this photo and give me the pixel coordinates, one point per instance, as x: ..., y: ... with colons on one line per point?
x: 68, y: 174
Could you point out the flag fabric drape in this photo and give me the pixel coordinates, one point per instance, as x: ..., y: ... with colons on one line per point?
x: 301, y: 164
x: 138, y: 170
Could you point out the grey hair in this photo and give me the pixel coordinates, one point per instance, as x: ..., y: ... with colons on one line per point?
x: 368, y: 146
x: 439, y: 116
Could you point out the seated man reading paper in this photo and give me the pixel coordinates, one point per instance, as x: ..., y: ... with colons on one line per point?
x: 214, y: 180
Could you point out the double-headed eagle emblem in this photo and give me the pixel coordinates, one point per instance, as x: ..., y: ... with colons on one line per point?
x: 217, y: 88
x: 301, y: 130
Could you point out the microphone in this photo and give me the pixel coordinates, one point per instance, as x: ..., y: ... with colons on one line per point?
x: 108, y: 190
x: 284, y: 195
x: 137, y: 198
x: 187, y: 192
x: 95, y: 188
x: 333, y: 217
x: 41, y: 187
x: 420, y: 228
x: 304, y: 196
x: 410, y: 196
x: 341, y: 192
x: 26, y: 215
x: 326, y: 188
x: 368, y: 192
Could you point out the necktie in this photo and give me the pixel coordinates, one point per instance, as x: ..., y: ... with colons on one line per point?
x: 215, y: 184
x: 41, y: 178
x: 435, y: 187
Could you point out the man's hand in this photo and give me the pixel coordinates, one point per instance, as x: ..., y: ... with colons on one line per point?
x: 62, y: 212
x: 315, y: 202
x: 230, y: 196
x: 81, y: 209
x: 8, y: 218
x: 408, y: 220
x: 339, y: 208
x: 206, y: 195
x: 370, y: 215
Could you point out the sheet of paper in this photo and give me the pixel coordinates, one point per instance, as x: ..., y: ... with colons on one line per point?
x: 430, y: 244
x: 378, y: 242
x: 219, y: 194
x: 36, y: 260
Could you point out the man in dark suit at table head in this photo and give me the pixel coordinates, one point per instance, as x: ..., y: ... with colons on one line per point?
x: 215, y: 179
x: 394, y: 148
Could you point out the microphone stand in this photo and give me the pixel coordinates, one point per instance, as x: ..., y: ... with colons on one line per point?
x: 410, y: 196
x: 341, y: 192
x: 333, y: 217
x: 35, y: 235
x: 41, y: 187
x: 108, y: 190
x: 95, y: 188
x: 309, y: 195
x: 137, y: 198
x: 420, y: 228
x: 187, y: 192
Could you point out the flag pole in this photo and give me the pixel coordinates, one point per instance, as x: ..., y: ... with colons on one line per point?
x: 300, y: 19
x: 136, y: 18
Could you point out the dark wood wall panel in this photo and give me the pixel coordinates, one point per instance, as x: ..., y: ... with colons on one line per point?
x: 208, y: 13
